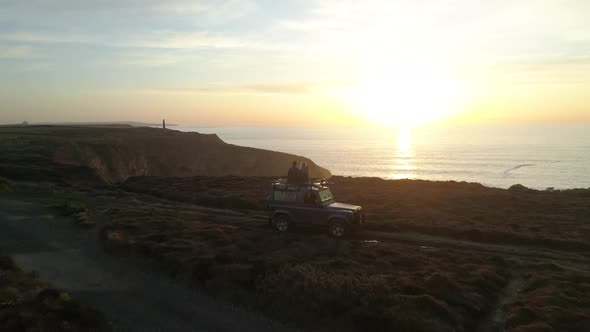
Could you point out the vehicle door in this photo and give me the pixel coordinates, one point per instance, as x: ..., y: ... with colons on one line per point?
x: 287, y: 200
x: 311, y: 209
x: 299, y: 209
x: 323, y: 212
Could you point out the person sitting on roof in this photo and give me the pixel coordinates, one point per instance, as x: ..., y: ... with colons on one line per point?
x: 294, y: 174
x: 304, y: 172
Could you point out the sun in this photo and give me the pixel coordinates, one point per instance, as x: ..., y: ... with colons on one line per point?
x: 405, y: 92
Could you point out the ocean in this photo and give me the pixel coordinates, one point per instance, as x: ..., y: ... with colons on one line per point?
x: 540, y: 156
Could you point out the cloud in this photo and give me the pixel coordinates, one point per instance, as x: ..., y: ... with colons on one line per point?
x: 16, y: 52
x: 309, y: 25
x: 42, y: 37
x: 539, y: 70
x: 197, y: 40
x: 283, y: 88
x: 291, y: 88
x: 183, y: 40
x: 135, y: 11
x: 69, y: 6
x: 146, y: 60
x: 545, y: 63
x: 38, y: 67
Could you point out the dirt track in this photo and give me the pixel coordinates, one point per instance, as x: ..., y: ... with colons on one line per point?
x: 132, y: 299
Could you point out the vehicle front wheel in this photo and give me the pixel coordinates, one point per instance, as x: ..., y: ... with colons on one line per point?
x: 281, y: 223
x: 336, y: 229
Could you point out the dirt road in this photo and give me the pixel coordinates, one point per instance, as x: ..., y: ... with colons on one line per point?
x: 132, y: 299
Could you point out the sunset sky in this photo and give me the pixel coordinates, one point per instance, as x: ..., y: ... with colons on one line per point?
x: 295, y: 62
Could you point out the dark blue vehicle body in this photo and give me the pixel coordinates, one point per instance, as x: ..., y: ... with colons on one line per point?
x: 311, y: 204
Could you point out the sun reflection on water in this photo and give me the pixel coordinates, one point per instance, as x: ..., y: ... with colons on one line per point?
x: 403, y: 167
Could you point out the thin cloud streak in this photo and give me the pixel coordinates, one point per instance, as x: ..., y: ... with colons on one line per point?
x: 46, y: 38
x: 293, y: 88
x: 16, y: 52
x: 155, y: 40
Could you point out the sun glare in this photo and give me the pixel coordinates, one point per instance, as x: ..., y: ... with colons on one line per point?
x: 406, y: 92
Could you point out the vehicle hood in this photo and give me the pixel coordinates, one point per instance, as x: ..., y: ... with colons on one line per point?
x: 343, y: 206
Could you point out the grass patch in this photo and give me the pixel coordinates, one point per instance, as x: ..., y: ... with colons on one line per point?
x: 309, y: 279
x: 461, y: 210
x: 76, y: 210
x: 29, y: 304
x: 555, y: 298
x: 5, y: 185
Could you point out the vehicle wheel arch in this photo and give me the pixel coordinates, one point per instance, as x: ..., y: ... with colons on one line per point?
x: 282, y: 222
x: 278, y: 213
x: 334, y: 222
x: 339, y: 218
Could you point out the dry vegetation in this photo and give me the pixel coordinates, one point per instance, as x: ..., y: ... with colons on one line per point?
x: 377, y: 286
x: 557, y: 219
x: 308, y: 278
x: 76, y: 210
x: 554, y: 298
x: 28, y: 304
x: 5, y: 185
x: 328, y: 284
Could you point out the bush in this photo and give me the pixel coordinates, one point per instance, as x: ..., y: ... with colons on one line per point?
x: 5, y: 185
x: 70, y: 208
x: 29, y: 304
x: 518, y: 187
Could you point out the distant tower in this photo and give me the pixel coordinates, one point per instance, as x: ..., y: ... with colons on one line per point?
x: 164, y: 123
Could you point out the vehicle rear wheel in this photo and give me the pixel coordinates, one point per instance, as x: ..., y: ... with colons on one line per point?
x: 336, y: 229
x: 281, y: 223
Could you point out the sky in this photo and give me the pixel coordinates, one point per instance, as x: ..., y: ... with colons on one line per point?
x: 245, y: 62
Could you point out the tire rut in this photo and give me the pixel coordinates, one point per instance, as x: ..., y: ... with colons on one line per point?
x: 497, y: 249
x: 496, y: 317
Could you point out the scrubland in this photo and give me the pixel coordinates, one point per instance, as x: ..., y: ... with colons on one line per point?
x: 519, y: 259
x: 212, y: 234
x: 307, y: 278
x: 554, y: 297
x: 365, y: 284
x: 29, y: 304
x: 557, y: 219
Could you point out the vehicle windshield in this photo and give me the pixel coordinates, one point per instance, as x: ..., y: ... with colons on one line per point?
x: 326, y: 195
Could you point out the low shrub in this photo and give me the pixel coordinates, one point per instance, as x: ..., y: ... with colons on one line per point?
x: 69, y: 208
x: 5, y: 185
x: 28, y: 304
x: 463, y: 210
x: 557, y: 296
x: 310, y: 279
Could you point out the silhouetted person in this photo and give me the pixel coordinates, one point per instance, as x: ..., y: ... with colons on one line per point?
x: 294, y: 175
x: 304, y: 172
x: 309, y: 198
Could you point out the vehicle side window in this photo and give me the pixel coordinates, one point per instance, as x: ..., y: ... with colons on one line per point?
x: 309, y: 198
x: 285, y: 196
x: 325, y: 195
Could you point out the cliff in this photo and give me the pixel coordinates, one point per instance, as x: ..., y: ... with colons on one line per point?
x: 116, y: 153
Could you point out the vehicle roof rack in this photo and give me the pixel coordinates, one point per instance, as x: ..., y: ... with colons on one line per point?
x: 312, y: 183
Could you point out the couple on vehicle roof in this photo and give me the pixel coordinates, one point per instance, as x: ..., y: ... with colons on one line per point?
x: 298, y: 175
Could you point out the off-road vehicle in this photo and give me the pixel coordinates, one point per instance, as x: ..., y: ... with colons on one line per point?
x: 311, y: 204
